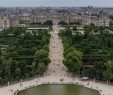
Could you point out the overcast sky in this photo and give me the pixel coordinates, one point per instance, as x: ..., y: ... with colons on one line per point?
x: 55, y: 3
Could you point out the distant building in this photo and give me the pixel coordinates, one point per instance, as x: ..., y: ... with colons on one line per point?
x: 0, y: 24
x: 96, y: 21
x: 5, y: 21
x: 56, y: 18
x: 85, y: 17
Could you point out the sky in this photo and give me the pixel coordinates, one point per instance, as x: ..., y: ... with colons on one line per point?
x: 55, y: 3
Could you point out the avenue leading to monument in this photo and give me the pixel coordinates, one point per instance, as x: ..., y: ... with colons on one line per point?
x: 56, y: 67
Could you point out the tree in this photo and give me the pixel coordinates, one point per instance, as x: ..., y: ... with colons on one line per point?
x: 1, y: 80
x: 45, y: 47
x: 73, y: 61
x: 7, y: 72
x: 18, y: 73
x: 48, y: 22
x: 23, y: 67
x: 62, y: 23
x: 68, y: 50
x: 67, y: 43
x: 99, y: 68
x: 23, y: 55
x: 41, y: 56
x: 92, y: 24
x: 0, y: 51
x: 42, y: 68
x: 75, y: 28
x: 41, y: 60
x: 87, y: 31
x: 108, y: 73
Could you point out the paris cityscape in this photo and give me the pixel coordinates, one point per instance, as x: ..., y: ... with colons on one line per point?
x: 15, y: 17
x: 56, y: 47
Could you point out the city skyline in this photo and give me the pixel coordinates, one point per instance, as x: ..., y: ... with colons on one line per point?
x: 56, y: 3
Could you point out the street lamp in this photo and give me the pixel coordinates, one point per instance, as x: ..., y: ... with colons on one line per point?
x: 94, y: 79
x: 8, y: 83
x: 21, y: 82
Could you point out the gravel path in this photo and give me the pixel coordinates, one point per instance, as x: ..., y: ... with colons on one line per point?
x: 56, y: 68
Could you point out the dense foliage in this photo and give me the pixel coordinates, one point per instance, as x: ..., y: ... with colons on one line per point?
x: 70, y: 23
x: 22, y: 55
x: 89, y: 54
x: 46, y: 23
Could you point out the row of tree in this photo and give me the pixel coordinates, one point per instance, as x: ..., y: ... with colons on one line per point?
x: 48, y: 22
x: 88, y: 54
x: 25, y: 54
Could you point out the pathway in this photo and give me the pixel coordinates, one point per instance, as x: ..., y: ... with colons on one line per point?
x: 56, y: 68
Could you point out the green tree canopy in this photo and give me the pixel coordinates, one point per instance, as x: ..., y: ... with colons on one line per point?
x: 73, y: 61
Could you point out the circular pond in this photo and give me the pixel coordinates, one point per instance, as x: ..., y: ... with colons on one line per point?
x: 59, y: 90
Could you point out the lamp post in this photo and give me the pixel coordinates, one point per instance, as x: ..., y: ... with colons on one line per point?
x: 21, y: 82
x: 94, y: 79
x: 8, y: 83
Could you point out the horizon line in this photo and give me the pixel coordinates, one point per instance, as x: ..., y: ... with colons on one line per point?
x: 54, y: 6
